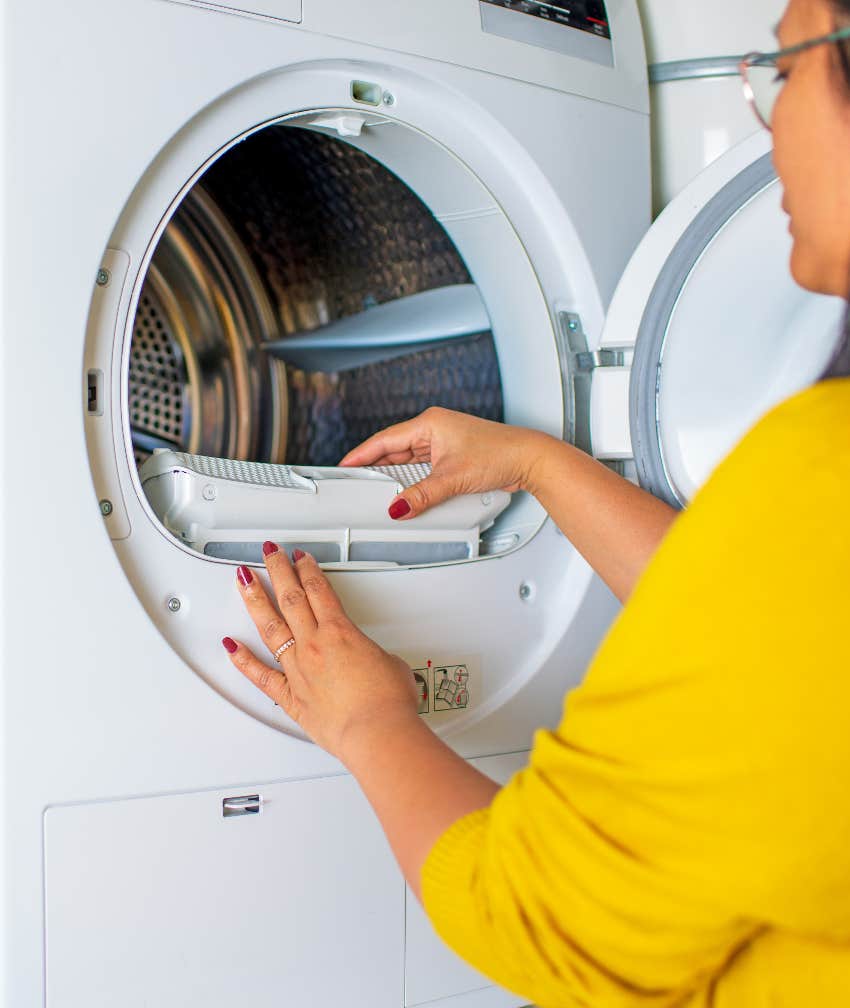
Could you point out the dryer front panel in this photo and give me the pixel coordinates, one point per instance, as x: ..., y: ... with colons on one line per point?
x: 317, y: 277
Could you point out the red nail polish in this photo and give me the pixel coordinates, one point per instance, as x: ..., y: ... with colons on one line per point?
x: 269, y: 548
x: 230, y: 644
x: 399, y: 508
x: 245, y: 576
x: 297, y: 554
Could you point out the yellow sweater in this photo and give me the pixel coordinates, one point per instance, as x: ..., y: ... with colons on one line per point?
x: 683, y: 838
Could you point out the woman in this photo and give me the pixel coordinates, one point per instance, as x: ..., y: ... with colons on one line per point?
x: 683, y: 838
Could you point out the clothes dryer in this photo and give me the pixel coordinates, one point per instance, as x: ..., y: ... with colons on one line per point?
x: 169, y: 837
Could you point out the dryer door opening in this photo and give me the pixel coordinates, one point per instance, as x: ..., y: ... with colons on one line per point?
x: 288, y: 232
x: 301, y: 298
x: 228, y: 358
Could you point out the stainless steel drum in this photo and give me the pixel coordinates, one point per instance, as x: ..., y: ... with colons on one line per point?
x: 288, y: 231
x: 198, y: 377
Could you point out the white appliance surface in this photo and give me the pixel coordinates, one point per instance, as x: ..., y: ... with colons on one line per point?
x: 239, y: 908
x: 120, y: 709
x: 696, y: 119
x: 171, y: 903
x: 677, y: 32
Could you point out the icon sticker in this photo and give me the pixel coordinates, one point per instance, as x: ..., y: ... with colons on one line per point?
x: 451, y: 688
x: 442, y: 686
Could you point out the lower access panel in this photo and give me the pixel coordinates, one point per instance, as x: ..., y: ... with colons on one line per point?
x: 267, y: 896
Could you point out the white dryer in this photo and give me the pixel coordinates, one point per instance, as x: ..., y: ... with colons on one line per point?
x: 168, y: 837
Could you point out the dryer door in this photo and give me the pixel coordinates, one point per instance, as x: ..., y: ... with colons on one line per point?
x: 707, y: 330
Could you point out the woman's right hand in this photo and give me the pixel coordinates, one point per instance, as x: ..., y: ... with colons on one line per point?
x: 467, y: 455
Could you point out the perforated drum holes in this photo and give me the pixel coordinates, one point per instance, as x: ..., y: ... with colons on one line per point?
x: 157, y: 377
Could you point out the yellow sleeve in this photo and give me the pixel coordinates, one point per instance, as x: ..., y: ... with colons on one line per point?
x: 542, y: 899
x: 693, y: 799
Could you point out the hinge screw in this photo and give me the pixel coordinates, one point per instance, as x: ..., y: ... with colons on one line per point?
x: 106, y: 508
x: 102, y: 277
x: 174, y: 604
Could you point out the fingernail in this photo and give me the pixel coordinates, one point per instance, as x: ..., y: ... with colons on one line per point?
x: 245, y: 576
x: 230, y: 644
x: 269, y: 548
x: 399, y: 508
x: 297, y: 554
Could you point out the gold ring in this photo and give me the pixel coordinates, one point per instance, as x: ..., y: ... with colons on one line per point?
x: 283, y: 647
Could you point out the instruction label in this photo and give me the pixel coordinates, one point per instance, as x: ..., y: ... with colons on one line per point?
x: 446, y: 686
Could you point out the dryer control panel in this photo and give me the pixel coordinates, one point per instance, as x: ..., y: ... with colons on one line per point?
x: 586, y: 15
x: 577, y: 28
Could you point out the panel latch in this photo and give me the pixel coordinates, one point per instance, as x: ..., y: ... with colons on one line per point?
x: 243, y: 805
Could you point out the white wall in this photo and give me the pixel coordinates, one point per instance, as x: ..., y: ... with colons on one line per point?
x: 695, y: 121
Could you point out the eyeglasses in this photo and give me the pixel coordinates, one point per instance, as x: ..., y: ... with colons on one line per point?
x: 762, y: 79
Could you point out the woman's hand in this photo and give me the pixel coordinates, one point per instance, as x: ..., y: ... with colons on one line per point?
x: 467, y: 455
x: 614, y: 525
x: 359, y: 703
x: 334, y: 681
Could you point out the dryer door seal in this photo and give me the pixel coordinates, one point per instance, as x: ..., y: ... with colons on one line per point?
x: 654, y: 330
x: 722, y: 332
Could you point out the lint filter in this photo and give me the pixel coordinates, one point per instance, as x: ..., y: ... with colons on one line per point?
x: 226, y: 509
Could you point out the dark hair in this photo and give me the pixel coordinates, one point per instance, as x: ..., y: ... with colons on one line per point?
x: 839, y: 366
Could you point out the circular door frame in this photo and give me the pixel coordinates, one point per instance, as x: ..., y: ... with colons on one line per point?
x: 561, y: 581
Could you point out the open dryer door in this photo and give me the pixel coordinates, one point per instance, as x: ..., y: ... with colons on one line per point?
x: 707, y: 330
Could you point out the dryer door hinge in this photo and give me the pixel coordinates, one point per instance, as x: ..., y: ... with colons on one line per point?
x: 589, y: 360
x: 577, y: 364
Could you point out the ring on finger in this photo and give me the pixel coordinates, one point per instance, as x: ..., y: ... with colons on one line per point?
x: 284, y: 647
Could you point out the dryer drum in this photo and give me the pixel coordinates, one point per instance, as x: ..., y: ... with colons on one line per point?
x: 289, y: 231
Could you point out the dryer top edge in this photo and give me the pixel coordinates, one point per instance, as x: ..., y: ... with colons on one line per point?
x: 502, y: 38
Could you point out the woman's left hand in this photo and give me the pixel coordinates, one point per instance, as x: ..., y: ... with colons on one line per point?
x: 334, y: 681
